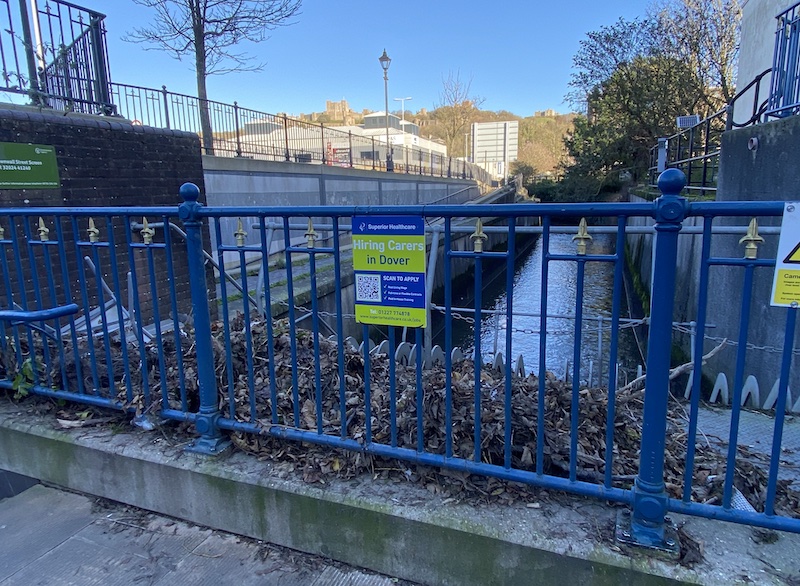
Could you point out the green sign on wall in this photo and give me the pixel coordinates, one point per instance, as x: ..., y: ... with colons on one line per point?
x: 28, y: 166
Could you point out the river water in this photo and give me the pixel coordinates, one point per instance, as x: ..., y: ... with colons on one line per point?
x: 561, y: 292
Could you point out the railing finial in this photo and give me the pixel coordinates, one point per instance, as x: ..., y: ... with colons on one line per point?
x: 478, y: 237
x: 751, y: 240
x: 93, y: 232
x: 311, y: 234
x: 240, y: 234
x: 43, y: 230
x: 583, y: 237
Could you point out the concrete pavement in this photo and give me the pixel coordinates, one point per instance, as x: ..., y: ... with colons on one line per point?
x: 57, y: 538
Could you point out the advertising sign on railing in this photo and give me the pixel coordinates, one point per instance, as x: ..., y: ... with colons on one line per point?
x: 389, y: 268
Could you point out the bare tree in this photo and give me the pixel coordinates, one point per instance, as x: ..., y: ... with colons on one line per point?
x: 456, y: 109
x: 705, y: 35
x: 207, y: 30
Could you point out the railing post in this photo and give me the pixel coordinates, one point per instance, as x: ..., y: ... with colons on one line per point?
x: 286, y: 136
x: 662, y: 155
x: 102, y: 93
x: 350, y: 146
x: 34, y: 91
x: 238, y: 134
x: 165, y: 93
x: 211, y: 440
x: 646, y: 524
x: 324, y: 146
x: 373, y: 153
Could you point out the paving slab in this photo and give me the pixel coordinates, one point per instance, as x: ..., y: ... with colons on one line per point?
x: 58, y: 516
x: 390, y: 526
x: 55, y: 538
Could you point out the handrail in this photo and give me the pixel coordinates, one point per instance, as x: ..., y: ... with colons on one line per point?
x: 21, y: 316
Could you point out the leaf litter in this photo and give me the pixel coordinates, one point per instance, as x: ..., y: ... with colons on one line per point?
x: 249, y: 400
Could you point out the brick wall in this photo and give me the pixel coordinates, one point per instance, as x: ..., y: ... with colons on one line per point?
x: 102, y: 162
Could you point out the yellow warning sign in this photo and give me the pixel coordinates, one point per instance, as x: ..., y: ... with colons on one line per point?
x: 786, y: 283
x: 794, y: 256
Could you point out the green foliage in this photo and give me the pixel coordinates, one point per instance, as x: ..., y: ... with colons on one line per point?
x: 634, y: 78
x: 23, y: 382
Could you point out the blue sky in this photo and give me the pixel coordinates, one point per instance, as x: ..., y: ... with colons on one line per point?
x: 518, y: 53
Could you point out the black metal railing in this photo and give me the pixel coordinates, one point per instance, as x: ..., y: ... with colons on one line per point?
x: 241, y: 132
x: 56, y: 55
x: 695, y: 150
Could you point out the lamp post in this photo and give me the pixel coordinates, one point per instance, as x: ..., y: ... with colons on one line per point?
x: 385, y: 61
x: 402, y: 107
x: 466, y: 146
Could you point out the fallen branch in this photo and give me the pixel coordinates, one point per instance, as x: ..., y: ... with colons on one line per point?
x: 674, y: 373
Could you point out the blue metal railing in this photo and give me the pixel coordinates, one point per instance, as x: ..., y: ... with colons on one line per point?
x: 784, y: 98
x: 250, y: 373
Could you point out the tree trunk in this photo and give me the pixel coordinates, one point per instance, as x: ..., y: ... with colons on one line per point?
x: 206, y: 130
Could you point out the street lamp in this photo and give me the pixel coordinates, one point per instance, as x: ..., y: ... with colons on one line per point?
x: 385, y: 61
x: 402, y: 107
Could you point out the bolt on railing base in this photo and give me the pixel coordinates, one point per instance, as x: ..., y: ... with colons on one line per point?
x: 668, y: 546
x: 209, y: 446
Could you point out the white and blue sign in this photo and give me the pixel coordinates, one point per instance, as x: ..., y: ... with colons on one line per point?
x: 389, y: 267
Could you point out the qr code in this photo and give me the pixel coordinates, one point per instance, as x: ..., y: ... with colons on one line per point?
x: 368, y: 288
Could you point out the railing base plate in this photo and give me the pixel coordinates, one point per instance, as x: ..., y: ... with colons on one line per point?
x: 208, y: 447
x: 669, y: 548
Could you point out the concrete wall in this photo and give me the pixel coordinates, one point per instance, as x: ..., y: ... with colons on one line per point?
x: 757, y: 45
x: 766, y: 173
x: 248, y: 182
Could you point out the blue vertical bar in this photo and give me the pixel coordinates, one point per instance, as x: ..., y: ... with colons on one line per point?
x: 574, y: 411
x: 511, y: 257
x: 120, y: 315
x: 86, y: 310
x: 420, y: 393
x: 273, y: 392
x: 694, y: 408
x: 23, y: 300
x: 248, y: 337
x: 540, y: 431
x: 51, y: 286
x: 176, y: 326
x: 392, y: 387
x: 312, y: 259
x: 101, y: 304
x: 287, y: 241
x: 738, y: 381
x: 68, y: 298
x: 337, y: 272
x: 478, y: 359
x: 367, y: 386
x: 151, y: 267
x: 10, y: 299
x: 137, y: 308
x: 206, y: 422
x: 226, y: 320
x: 619, y: 267
x: 37, y: 295
x: 448, y: 342
x: 649, y: 492
x: 780, y: 411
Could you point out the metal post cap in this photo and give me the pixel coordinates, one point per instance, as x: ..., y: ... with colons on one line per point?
x: 671, y: 181
x: 189, y: 192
